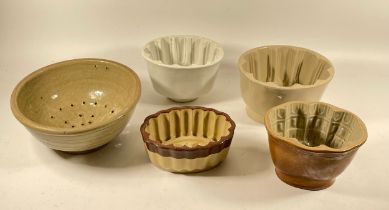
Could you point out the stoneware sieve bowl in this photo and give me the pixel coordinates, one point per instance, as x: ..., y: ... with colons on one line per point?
x: 76, y: 105
x: 272, y: 75
x: 311, y: 143
x: 182, y: 68
x: 187, y: 139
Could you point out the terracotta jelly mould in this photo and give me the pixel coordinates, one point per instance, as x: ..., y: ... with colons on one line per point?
x: 187, y: 139
x: 182, y: 68
x: 311, y: 143
x: 76, y: 105
x: 272, y: 75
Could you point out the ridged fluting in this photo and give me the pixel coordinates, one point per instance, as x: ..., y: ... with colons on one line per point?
x: 204, y: 125
x: 187, y: 165
x: 285, y: 66
x: 315, y: 124
x: 187, y: 132
x: 183, y: 51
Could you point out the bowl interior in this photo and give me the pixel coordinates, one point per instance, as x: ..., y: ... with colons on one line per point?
x: 77, y: 93
x: 183, y: 51
x: 188, y: 127
x: 316, y: 124
x: 286, y: 66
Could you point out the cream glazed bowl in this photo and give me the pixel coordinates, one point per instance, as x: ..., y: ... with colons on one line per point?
x: 182, y: 67
x: 187, y: 139
x: 273, y: 75
x: 77, y: 105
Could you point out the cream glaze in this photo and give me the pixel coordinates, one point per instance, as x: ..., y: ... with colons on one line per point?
x: 286, y: 66
x: 188, y: 127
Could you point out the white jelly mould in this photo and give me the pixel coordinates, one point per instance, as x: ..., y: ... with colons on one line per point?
x: 182, y: 67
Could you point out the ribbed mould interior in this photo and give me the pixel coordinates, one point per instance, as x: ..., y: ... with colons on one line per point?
x: 183, y: 51
x: 286, y: 66
x: 188, y: 127
x: 317, y: 124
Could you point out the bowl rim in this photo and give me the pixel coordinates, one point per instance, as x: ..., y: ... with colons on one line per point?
x: 176, y: 66
x: 331, y: 68
x: 70, y: 131
x: 321, y: 148
x: 203, y: 151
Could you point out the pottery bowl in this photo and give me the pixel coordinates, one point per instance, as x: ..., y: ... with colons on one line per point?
x: 187, y: 139
x: 311, y: 143
x: 272, y: 75
x: 182, y: 68
x: 76, y: 105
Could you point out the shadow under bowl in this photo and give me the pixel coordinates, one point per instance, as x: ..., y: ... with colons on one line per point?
x: 77, y: 105
x: 182, y: 67
x: 272, y: 75
x: 311, y: 143
x: 187, y: 139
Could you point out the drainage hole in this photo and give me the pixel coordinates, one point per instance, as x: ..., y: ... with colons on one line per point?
x: 66, y: 122
x: 80, y: 115
x: 60, y: 109
x: 73, y: 126
x: 112, y: 111
x: 95, y: 103
x: 41, y: 97
x: 83, y: 102
x: 90, y: 122
x: 105, y: 106
x: 52, y: 117
x: 82, y: 124
x: 92, y: 115
x: 71, y: 105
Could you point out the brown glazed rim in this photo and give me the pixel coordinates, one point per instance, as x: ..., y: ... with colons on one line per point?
x: 187, y: 152
x: 318, y: 149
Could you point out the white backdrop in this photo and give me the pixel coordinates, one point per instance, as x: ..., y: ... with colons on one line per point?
x: 354, y: 35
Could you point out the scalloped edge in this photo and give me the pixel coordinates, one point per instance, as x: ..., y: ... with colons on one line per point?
x: 272, y: 85
x: 187, y: 165
x: 187, y: 152
x: 217, y: 59
x: 321, y: 148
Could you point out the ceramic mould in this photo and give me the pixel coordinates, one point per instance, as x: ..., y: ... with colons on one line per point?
x: 272, y: 75
x: 187, y: 139
x: 182, y: 68
x: 311, y: 143
x: 76, y: 105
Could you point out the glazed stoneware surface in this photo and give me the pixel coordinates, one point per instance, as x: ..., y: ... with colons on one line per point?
x: 272, y: 75
x: 76, y: 105
x: 187, y: 139
x: 311, y: 143
x: 182, y: 68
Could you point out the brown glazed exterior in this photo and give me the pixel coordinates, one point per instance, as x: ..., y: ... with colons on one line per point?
x: 187, y: 152
x: 310, y: 167
x: 306, y: 169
